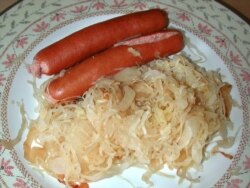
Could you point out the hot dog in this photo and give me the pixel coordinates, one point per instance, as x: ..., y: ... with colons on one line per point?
x: 79, y: 78
x: 90, y: 40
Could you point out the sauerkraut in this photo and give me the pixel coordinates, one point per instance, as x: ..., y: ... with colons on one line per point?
x: 162, y: 113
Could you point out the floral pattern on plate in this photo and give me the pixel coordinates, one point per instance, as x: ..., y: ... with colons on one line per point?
x: 27, y: 23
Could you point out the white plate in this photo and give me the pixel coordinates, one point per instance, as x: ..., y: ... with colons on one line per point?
x: 211, y: 33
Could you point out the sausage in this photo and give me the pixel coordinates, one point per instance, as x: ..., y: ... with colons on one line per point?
x: 90, y: 40
x: 82, y: 76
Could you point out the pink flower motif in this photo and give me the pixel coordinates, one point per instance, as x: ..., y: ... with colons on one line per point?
x: 235, y: 58
x: 204, y: 29
x: 235, y: 183
x: 1, y: 79
x: 41, y: 27
x: 79, y: 9
x: 248, y: 91
x: 247, y: 161
x: 99, y: 5
x: 10, y: 58
x: 220, y: 41
x: 246, y: 77
x: 119, y: 3
x: 22, y: 42
x: 140, y: 5
x: 183, y: 16
x: 57, y: 17
x: 6, y: 167
x: 20, y: 183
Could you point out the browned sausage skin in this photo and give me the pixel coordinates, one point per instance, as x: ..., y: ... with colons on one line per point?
x: 78, y: 79
x: 95, y: 38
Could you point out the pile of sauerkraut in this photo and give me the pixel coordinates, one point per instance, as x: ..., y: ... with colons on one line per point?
x: 162, y: 113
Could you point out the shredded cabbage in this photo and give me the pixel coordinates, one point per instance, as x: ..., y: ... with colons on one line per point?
x: 162, y: 113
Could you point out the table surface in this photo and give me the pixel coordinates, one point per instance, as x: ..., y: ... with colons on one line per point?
x: 241, y: 7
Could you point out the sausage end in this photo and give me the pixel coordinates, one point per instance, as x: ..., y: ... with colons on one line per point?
x: 48, y: 96
x: 35, y: 69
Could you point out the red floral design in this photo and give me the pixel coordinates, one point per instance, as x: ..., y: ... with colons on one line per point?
x: 58, y: 17
x: 247, y: 162
x: 140, y: 5
x: 248, y: 90
x: 41, y: 27
x: 6, y: 167
x: 183, y: 16
x: 10, y: 58
x: 99, y: 5
x: 79, y: 9
x: 1, y: 79
x: 204, y: 29
x: 119, y: 3
x: 21, y: 42
x: 220, y: 41
x: 235, y: 58
x: 246, y: 77
x: 235, y: 183
x: 20, y: 183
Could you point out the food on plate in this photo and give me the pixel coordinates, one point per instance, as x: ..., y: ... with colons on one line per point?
x: 95, y: 38
x: 75, y: 81
x: 163, y: 113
